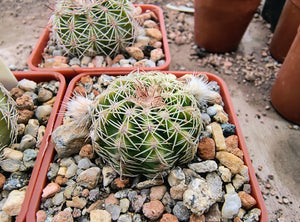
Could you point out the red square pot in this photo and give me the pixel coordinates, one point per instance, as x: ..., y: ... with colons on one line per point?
x: 36, y: 56
x: 228, y: 107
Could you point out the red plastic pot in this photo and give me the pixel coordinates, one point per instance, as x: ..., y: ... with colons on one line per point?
x: 285, y: 93
x: 286, y: 30
x: 48, y: 157
x: 41, y: 77
x: 220, y: 25
x: 36, y: 56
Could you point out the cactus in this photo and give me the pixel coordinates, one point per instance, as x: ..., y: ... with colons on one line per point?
x: 145, y: 124
x: 8, y: 118
x: 93, y: 27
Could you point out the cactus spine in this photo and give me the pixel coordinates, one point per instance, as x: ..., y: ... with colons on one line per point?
x: 8, y: 118
x: 93, y: 27
x: 145, y: 124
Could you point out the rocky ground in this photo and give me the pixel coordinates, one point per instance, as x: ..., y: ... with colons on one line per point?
x: 249, y: 72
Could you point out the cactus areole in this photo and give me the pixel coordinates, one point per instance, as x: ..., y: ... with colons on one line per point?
x: 8, y: 118
x: 145, y: 124
x: 93, y: 27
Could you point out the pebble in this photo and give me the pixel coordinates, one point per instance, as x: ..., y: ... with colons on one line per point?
x: 153, y: 209
x: 77, y: 202
x: 135, y: 52
x: 2, y: 180
x: 181, y: 211
x: 176, y: 177
x: 29, y: 154
x: 231, y: 205
x: 111, y: 199
x: 58, y: 198
x: 41, y: 216
x: 206, y: 148
x: 16, y: 181
x: 63, y: 216
x: 100, y: 216
x: 228, y: 129
x: 125, y: 218
x: 71, y: 170
x: 27, y: 141
x: 114, y: 210
x: 156, y: 54
x: 218, y: 136
x: 27, y: 85
x: 89, y: 178
x: 154, y: 33
x: 25, y: 102
x: 43, y: 113
x: 109, y: 174
x: 50, y: 190
x: 204, y: 166
x: 168, y: 218
x: 44, y: 95
x: 87, y: 151
x: 233, y: 163
x: 252, y: 215
x: 177, y: 191
x: 13, y: 204
x: 149, y: 183
x: 136, y: 200
x: 225, y: 173
x: 247, y: 200
x: 84, y: 163
x: 9, y: 153
x: 157, y: 192
x: 10, y: 165
x: 124, y: 204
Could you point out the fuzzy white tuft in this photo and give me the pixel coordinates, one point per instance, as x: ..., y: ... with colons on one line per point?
x: 79, y: 109
x: 201, y: 89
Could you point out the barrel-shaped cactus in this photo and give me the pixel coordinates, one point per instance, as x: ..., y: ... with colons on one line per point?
x: 8, y: 118
x: 145, y: 124
x: 93, y: 27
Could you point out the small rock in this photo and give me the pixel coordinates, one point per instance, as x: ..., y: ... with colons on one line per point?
x: 44, y: 95
x: 177, y: 191
x: 74, y: 61
x: 13, y: 203
x: 156, y: 54
x: 89, y: 178
x: 225, y: 173
x: 41, y: 216
x: 204, y: 166
x: 118, y: 58
x: 16, y: 180
x: 25, y: 102
x: 153, y: 210
x: 84, y: 163
x: 24, y: 115
x: 43, y: 113
x: 87, y: 151
x: 157, y: 192
x: 150, y: 24
x: 94, y: 194
x: 85, y: 61
x: 16, y: 92
x: 154, y: 33
x: 125, y: 218
x: 61, y: 180
x: 229, y: 160
x: 214, y: 213
x: 100, y: 216
x: 181, y: 211
x: 71, y: 170
x: 10, y: 165
x: 196, y: 218
x: 58, y: 198
x: 176, y: 177
x: 218, y: 136
x: 9, y: 153
x: 28, y: 141
x: 148, y: 184
x: 168, y: 218
x: 63, y: 216
x: 231, y: 142
x: 252, y: 215
x: 114, y: 211
x: 124, y: 204
x: 2, y: 180
x: 231, y: 205
x: 228, y: 129
x: 77, y: 202
x: 122, y: 193
x: 53, y: 170
x: 135, y: 52
x: 32, y: 127
x: 211, y: 111
x: 27, y: 85
x: 50, y: 190
x: 136, y: 200
x: 247, y: 200
x: 120, y: 183
x: 111, y: 199
x: 29, y: 154
x: 109, y: 174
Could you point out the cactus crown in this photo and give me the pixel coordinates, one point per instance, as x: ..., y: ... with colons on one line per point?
x: 145, y: 124
x: 8, y: 118
x: 93, y: 27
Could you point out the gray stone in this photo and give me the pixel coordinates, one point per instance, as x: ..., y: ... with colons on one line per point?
x: 228, y: 129
x: 85, y: 61
x: 53, y: 170
x: 205, y: 118
x: 198, y: 197
x: 122, y: 193
x: 252, y: 215
x: 58, y: 198
x: 161, y: 62
x: 136, y: 218
x: 176, y: 177
x: 94, y: 194
x: 16, y: 181
x: 84, y: 163
x: 214, y: 183
x: 204, y: 166
x: 109, y: 174
x: 27, y: 141
x: 114, y: 211
x: 149, y: 63
x: 89, y: 178
x: 21, y: 129
x: 69, y: 189
x: 231, y: 205
x: 136, y: 200
x: 124, y: 204
x: 66, y: 162
x: 181, y: 211
x: 211, y: 111
x: 148, y: 183
x: 10, y: 165
x: 32, y: 127
x: 57, y: 52
x: 27, y: 85
x: 125, y: 218
x: 68, y: 139
x: 74, y: 61
x: 40, y: 135
x: 44, y: 95
x: 71, y: 171
x: 43, y: 113
x: 29, y: 154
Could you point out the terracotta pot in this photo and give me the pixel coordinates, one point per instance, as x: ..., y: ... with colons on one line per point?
x: 220, y: 25
x: 228, y: 107
x: 36, y: 56
x: 286, y: 30
x: 285, y: 93
x: 41, y: 77
x: 271, y: 12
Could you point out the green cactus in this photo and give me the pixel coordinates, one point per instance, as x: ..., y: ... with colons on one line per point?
x: 145, y: 124
x: 93, y: 27
x: 8, y: 118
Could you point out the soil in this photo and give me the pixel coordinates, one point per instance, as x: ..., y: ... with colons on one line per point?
x: 273, y: 142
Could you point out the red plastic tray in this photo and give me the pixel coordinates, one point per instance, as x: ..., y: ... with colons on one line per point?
x: 41, y: 77
x: 36, y: 56
x: 228, y: 107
